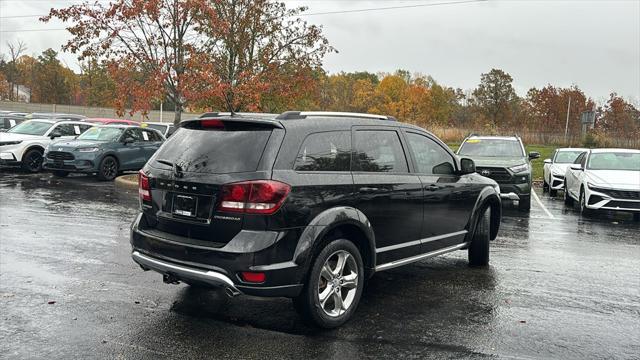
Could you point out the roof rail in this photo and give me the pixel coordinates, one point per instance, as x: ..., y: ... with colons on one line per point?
x: 227, y: 113
x: 291, y: 115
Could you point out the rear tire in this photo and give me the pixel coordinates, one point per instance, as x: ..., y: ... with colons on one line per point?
x: 60, y: 173
x: 32, y: 161
x: 525, y: 203
x: 108, y: 169
x: 325, y: 278
x: 636, y: 216
x: 545, y: 186
x: 479, y: 248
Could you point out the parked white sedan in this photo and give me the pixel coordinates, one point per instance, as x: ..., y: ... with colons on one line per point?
x: 607, y: 179
x: 554, y: 169
x: 23, y: 145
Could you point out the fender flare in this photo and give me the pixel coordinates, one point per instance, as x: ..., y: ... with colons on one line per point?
x: 328, y: 220
x: 487, y: 197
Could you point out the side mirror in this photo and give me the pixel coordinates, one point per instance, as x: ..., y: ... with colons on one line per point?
x: 467, y: 166
x: 547, y: 161
x: 534, y: 155
x: 128, y: 140
x: 54, y: 135
x: 576, y: 167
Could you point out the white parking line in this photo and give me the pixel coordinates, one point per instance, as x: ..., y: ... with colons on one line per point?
x: 535, y: 196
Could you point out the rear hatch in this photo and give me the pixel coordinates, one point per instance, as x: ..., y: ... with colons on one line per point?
x: 186, y: 177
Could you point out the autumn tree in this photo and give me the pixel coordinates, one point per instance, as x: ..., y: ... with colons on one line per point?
x: 146, y: 43
x: 495, y: 97
x: 11, y: 71
x: 245, y: 55
x: 547, y: 108
x: 620, y: 118
x: 96, y: 85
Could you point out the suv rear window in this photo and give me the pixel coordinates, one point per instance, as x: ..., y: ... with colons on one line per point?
x: 216, y: 151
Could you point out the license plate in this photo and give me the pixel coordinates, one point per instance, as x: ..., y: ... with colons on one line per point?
x: 185, y: 205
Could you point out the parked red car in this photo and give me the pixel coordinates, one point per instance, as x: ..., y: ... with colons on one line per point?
x: 106, y: 121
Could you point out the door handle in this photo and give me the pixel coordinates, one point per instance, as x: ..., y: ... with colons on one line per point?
x: 368, y: 190
x: 432, y: 188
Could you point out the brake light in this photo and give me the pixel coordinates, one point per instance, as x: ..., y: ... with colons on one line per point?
x: 144, y: 190
x: 254, y: 197
x: 253, y: 277
x: 211, y: 123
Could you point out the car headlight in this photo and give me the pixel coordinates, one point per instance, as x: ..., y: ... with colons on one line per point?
x: 90, y: 149
x: 519, y: 168
x: 2, y: 143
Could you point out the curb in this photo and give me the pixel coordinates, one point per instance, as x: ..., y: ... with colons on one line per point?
x: 127, y: 181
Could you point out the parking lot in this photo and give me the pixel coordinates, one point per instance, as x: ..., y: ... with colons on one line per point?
x: 559, y: 286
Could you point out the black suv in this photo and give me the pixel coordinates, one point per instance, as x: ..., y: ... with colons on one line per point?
x: 306, y: 205
x: 503, y: 159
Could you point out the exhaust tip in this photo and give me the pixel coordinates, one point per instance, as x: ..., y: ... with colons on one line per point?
x: 231, y: 292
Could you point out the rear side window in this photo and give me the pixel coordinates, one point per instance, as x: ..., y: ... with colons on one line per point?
x: 216, y: 151
x: 379, y: 151
x: 325, y: 151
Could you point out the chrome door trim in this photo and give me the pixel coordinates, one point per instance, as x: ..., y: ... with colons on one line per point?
x: 396, y: 263
x: 418, y: 242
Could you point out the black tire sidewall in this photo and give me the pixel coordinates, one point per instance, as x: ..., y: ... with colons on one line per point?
x: 308, y: 302
x: 101, y: 172
x: 479, y: 248
x: 25, y: 160
x: 524, y: 203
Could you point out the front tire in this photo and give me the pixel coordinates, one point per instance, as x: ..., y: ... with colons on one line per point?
x: 108, y: 169
x: 334, y: 286
x: 583, y: 204
x: 545, y: 186
x: 32, y: 161
x: 479, y: 248
x: 568, y: 200
x: 553, y: 193
x: 525, y: 203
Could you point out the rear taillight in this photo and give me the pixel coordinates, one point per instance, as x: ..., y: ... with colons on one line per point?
x: 253, y: 277
x: 144, y: 190
x: 254, y: 197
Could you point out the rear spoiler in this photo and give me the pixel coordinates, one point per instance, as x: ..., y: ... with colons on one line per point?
x: 212, y: 122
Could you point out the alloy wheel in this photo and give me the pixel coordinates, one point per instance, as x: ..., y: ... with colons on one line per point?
x: 338, y: 283
x: 109, y: 168
x: 34, y: 161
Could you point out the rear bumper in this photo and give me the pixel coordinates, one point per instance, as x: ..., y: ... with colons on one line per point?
x: 218, y: 266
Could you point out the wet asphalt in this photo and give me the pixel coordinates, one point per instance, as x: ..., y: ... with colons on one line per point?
x: 559, y: 286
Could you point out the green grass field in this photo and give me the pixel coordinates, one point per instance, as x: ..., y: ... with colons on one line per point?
x: 545, y: 153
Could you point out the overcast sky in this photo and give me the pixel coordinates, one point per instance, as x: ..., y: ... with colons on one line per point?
x: 593, y: 44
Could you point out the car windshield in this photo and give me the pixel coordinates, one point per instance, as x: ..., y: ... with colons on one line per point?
x: 491, y: 148
x: 31, y: 128
x: 101, y: 134
x: 614, y: 161
x: 567, y: 157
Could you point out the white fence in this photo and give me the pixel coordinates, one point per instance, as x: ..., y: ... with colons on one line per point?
x: 166, y: 116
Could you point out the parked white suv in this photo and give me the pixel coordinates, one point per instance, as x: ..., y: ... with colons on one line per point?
x: 607, y: 179
x: 23, y: 145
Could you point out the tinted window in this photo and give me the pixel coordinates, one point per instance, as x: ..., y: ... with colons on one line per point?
x: 134, y: 134
x: 66, y: 130
x: 223, y: 150
x: 430, y: 157
x: 326, y: 151
x: 379, y: 151
x: 161, y: 128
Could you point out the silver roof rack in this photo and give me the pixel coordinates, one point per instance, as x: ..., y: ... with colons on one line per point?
x: 290, y: 115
